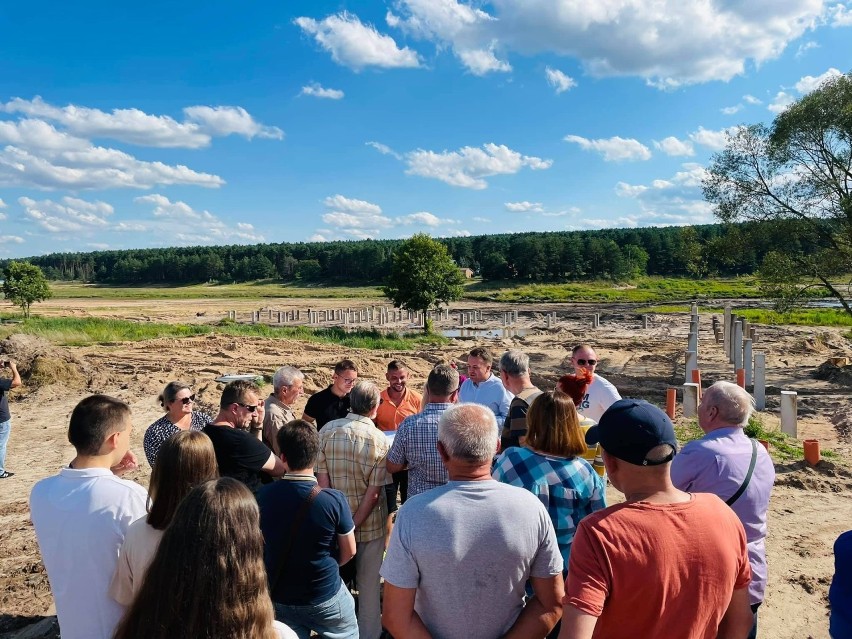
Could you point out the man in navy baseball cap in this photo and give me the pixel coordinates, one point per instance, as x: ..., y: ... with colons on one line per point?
x: 631, y: 429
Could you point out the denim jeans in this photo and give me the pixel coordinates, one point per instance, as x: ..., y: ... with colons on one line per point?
x: 5, y: 429
x: 332, y: 619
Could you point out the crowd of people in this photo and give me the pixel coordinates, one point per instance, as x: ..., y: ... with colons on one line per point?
x: 257, y: 523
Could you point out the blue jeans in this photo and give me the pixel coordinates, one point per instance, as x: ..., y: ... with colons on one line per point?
x: 332, y: 619
x: 5, y: 429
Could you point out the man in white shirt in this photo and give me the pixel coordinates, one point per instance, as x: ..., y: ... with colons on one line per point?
x: 81, y: 515
x: 601, y: 394
x: 483, y: 387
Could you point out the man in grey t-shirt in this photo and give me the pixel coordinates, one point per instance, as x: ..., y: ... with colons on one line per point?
x: 465, y: 550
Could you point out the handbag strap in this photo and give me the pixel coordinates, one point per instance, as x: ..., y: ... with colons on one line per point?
x: 747, y: 479
x: 294, y: 528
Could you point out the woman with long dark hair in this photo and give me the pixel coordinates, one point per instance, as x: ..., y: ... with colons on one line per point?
x: 207, y: 579
x: 178, y: 400
x: 186, y: 460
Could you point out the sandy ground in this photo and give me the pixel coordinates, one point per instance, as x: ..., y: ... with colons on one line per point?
x: 810, y: 506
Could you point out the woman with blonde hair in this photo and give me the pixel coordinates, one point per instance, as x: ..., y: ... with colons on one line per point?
x: 207, y: 579
x: 178, y: 400
x: 186, y: 460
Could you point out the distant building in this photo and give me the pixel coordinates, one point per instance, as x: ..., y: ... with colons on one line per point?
x: 466, y: 272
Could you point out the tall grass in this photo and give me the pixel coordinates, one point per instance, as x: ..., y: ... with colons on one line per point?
x: 247, y: 290
x: 80, y: 332
x: 801, y: 317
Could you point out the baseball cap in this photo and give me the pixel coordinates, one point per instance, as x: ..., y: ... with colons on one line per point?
x: 630, y: 429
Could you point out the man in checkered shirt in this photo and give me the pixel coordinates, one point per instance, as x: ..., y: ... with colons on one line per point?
x: 416, y: 443
x: 352, y: 460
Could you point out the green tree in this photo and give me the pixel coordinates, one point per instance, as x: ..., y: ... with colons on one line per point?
x: 423, y: 276
x: 23, y: 284
x: 798, y: 171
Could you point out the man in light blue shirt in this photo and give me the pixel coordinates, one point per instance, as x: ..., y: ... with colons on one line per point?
x: 719, y: 463
x: 483, y: 387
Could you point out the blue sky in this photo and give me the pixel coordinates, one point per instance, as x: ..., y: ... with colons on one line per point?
x: 187, y: 123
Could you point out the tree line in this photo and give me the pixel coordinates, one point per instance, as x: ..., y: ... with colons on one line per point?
x: 615, y: 254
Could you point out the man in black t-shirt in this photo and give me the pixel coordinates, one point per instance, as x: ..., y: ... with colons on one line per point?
x: 238, y: 453
x: 5, y: 415
x: 333, y: 402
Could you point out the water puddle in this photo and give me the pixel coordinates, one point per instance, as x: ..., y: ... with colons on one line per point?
x: 486, y: 333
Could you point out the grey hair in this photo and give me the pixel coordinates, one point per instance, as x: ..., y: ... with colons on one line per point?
x: 285, y: 376
x: 170, y: 392
x: 442, y: 380
x: 515, y: 363
x: 468, y: 432
x: 734, y: 403
x: 364, y: 397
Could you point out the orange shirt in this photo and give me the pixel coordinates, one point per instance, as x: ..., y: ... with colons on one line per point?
x: 390, y: 415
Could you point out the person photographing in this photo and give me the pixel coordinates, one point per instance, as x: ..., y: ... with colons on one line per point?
x: 5, y: 416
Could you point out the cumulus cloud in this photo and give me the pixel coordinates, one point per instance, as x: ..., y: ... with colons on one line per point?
x: 318, y: 91
x: 780, y: 102
x: 677, y: 200
x: 805, y: 47
x: 614, y: 149
x: 11, y: 239
x: 751, y: 99
x: 134, y: 126
x: 67, y: 215
x: 384, y: 149
x: 559, y: 80
x: 731, y: 109
x: 424, y: 218
x: 3, y: 205
x: 656, y: 41
x: 356, y: 45
x: 482, y: 61
x: 841, y: 15
x: 469, y: 165
x: 524, y: 207
x: 354, y: 218
x: 713, y: 140
x: 808, y: 83
x: 675, y: 147
x: 182, y: 224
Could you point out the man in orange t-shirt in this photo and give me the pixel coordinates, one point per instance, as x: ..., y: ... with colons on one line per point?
x: 397, y: 402
x: 663, y: 564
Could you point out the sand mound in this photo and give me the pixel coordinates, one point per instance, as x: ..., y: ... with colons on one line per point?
x: 42, y: 364
x: 825, y: 477
x: 830, y: 372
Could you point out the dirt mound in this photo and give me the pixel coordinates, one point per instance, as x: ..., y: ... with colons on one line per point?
x: 42, y: 364
x: 830, y: 372
x: 825, y: 477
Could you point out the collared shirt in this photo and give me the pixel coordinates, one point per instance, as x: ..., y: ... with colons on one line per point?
x: 163, y: 428
x: 390, y: 415
x: 353, y: 453
x: 718, y: 463
x: 276, y: 414
x: 416, y: 445
x: 325, y: 406
x: 489, y: 393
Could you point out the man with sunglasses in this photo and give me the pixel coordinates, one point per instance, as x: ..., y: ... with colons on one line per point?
x: 333, y: 402
x: 240, y: 454
x: 601, y: 394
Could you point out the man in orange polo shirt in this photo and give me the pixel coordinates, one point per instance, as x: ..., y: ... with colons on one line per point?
x: 397, y: 402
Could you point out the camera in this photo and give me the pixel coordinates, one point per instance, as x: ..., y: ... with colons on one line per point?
x: 5, y: 363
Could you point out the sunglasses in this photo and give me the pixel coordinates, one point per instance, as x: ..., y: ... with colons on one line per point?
x: 249, y: 407
x: 583, y: 362
x: 187, y: 400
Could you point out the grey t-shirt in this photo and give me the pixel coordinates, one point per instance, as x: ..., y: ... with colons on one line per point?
x: 468, y: 548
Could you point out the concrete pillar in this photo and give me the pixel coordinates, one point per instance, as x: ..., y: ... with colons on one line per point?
x: 644, y: 321
x: 726, y: 328
x: 752, y: 333
x: 692, y: 341
x: 298, y: 314
x: 788, y: 413
x: 280, y: 315
x: 596, y: 320
x: 691, y: 364
x: 746, y: 327
x: 760, y: 380
x: 747, y: 362
x: 694, y: 309
x: 690, y: 400
x: 738, y: 345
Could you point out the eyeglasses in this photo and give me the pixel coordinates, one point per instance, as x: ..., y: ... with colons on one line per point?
x: 583, y: 362
x: 249, y: 407
x: 187, y: 400
x: 348, y: 382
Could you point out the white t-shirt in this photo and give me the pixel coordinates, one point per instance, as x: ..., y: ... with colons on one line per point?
x: 284, y: 632
x: 139, y: 547
x: 80, y: 519
x: 599, y: 396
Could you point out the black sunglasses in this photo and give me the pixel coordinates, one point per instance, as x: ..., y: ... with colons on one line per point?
x: 249, y: 407
x: 583, y: 362
x: 187, y: 400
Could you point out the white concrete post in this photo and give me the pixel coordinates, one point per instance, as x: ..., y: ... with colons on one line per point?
x: 692, y: 342
x: 644, y: 321
x: 747, y: 362
x: 691, y: 364
x: 694, y: 309
x: 760, y: 380
x: 738, y: 345
x: 596, y: 320
x: 726, y: 329
x: 788, y: 413
x: 690, y: 400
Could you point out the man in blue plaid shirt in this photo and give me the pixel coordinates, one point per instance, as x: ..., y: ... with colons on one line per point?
x: 415, y: 445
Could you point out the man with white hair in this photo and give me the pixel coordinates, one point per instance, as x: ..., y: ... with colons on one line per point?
x: 733, y: 467
x: 443, y: 577
x: 287, y: 387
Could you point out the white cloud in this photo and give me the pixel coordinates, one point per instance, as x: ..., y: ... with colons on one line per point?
x: 674, y: 147
x: 354, y: 218
x: 356, y: 45
x: 657, y: 41
x: 3, y: 205
x: 780, y: 102
x: 10, y: 239
x: 137, y: 127
x: 677, y: 200
x: 614, y: 149
x: 841, y: 15
x: 751, y: 99
x: 180, y: 223
x: 731, y: 109
x: 384, y: 149
x: 318, y: 91
x: 469, y: 165
x: 524, y: 207
x: 482, y: 61
x: 808, y: 83
x: 481, y: 219
x: 68, y: 215
x: 559, y: 80
x: 713, y: 140
x: 425, y: 218
x: 805, y: 47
